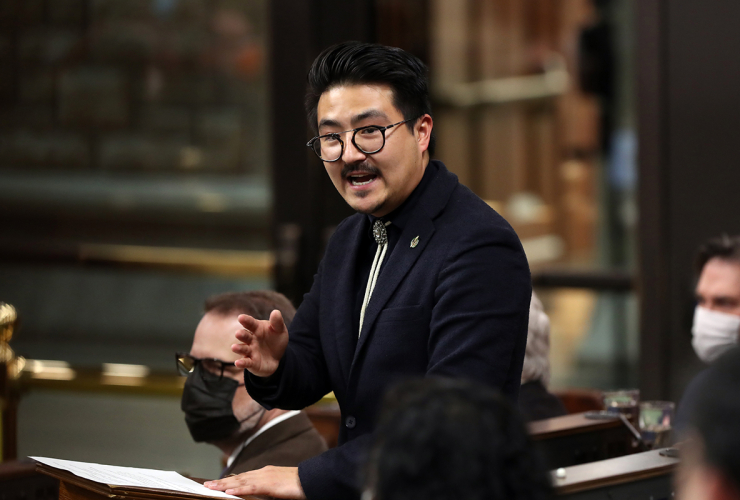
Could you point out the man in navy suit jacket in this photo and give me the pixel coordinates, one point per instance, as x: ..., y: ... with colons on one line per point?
x: 426, y: 279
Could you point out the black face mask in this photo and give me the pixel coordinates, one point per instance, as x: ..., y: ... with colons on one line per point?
x: 206, y: 401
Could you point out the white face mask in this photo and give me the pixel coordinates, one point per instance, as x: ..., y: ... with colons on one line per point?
x: 714, y: 333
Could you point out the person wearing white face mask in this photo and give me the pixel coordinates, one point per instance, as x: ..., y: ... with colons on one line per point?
x: 716, y: 327
x: 714, y: 333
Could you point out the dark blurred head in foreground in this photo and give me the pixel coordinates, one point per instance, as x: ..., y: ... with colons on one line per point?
x: 710, y: 466
x: 450, y: 439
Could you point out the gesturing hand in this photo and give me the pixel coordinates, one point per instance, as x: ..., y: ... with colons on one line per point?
x: 262, y: 344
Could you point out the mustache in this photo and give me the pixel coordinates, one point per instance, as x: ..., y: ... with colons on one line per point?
x: 363, y: 167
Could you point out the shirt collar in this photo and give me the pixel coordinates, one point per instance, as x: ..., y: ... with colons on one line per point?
x: 271, y: 423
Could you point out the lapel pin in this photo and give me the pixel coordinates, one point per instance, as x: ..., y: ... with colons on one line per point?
x: 414, y: 242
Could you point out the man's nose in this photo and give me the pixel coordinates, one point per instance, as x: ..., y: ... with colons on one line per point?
x: 351, y: 154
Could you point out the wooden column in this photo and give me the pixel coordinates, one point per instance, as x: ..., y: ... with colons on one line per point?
x: 305, y: 204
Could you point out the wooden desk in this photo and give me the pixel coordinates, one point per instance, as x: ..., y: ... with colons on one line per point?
x: 72, y: 487
x: 575, y: 439
x: 19, y: 480
x: 567, y: 440
x: 326, y: 418
x: 638, y: 476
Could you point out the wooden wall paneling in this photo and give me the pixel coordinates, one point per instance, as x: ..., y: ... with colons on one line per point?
x: 521, y: 146
x: 477, y: 28
x: 449, y: 64
x: 449, y: 40
x: 452, y: 130
x: 405, y: 24
x: 578, y: 127
x: 542, y: 177
x: 497, y: 156
x: 522, y: 155
x: 545, y: 20
x: 499, y: 36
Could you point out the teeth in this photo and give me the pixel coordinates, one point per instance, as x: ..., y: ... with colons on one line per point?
x: 354, y: 179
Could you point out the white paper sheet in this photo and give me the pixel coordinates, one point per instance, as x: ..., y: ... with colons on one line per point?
x: 130, y: 476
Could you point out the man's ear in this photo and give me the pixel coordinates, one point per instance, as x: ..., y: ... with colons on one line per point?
x: 423, y: 131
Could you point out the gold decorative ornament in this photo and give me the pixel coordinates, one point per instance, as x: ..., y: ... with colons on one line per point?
x: 8, y: 322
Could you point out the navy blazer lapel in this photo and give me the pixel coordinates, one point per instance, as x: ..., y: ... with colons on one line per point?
x: 404, y: 255
x: 342, y: 304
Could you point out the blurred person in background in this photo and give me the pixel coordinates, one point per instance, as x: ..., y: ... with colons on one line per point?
x: 710, y: 457
x: 217, y: 408
x: 716, y: 327
x: 535, y: 401
x: 447, y: 439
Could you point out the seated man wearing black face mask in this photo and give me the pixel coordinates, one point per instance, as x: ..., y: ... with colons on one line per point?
x: 218, y: 409
x: 716, y: 326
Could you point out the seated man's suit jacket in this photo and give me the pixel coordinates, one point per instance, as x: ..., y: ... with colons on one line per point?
x: 285, y: 444
x: 456, y: 304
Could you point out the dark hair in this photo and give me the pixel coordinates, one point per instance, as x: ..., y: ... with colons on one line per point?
x: 352, y: 63
x: 257, y: 303
x: 725, y: 247
x: 716, y: 416
x: 444, y: 439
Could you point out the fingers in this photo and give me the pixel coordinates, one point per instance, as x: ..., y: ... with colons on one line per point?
x: 223, y: 484
x: 278, y: 482
x: 251, y: 325
x: 234, y: 485
x: 246, y: 342
x: 243, y: 350
x: 244, y: 363
x: 247, y: 353
x: 248, y: 322
x: 276, y: 322
x: 245, y: 336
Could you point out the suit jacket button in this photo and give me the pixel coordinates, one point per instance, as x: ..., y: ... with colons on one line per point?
x: 350, y: 422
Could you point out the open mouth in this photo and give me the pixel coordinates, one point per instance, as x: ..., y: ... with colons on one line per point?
x: 361, y: 179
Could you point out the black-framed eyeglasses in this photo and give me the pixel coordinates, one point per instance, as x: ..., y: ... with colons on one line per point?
x: 187, y: 363
x: 369, y: 139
